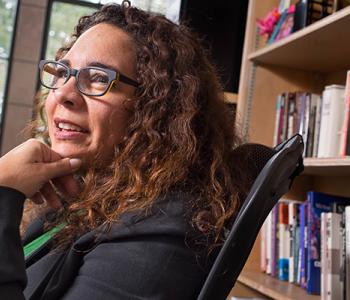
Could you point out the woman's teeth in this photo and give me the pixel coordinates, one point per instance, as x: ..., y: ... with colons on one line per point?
x: 71, y: 127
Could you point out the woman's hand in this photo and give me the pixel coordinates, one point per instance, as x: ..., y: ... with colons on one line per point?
x: 32, y: 168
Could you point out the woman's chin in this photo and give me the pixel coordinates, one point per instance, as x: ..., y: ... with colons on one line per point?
x: 70, y: 152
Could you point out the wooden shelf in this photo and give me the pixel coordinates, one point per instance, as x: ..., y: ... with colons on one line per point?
x: 231, y: 97
x: 272, y: 287
x: 322, y: 46
x: 327, y: 166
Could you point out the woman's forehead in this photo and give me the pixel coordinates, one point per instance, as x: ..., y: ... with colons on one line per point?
x: 106, y: 44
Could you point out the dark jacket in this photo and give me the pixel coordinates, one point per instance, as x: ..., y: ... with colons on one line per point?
x: 140, y: 258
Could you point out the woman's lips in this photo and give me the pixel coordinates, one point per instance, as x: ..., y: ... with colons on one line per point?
x: 62, y: 134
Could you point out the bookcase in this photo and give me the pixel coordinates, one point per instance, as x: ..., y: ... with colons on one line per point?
x: 307, y: 60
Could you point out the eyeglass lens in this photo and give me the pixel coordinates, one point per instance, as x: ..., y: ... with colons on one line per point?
x: 90, y: 80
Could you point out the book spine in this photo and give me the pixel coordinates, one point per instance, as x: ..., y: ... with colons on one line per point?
x: 296, y: 238
x: 303, y: 244
x: 291, y: 227
x: 342, y: 256
x: 331, y: 121
x: 345, y: 125
x: 324, y: 126
x: 268, y: 244
x: 283, y: 260
x: 323, y: 256
x: 291, y: 115
x: 298, y: 109
x: 274, y: 240
x: 333, y: 259
x: 313, y: 246
x: 306, y: 117
x: 317, y: 126
x: 347, y: 252
x: 285, y: 117
x: 263, y: 247
x: 277, y: 121
x: 282, y: 119
x: 311, y: 125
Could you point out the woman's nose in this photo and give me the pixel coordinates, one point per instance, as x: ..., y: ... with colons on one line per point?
x: 69, y: 95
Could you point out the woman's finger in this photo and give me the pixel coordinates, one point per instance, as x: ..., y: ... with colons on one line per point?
x: 50, y: 196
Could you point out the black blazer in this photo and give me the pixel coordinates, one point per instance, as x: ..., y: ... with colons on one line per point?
x: 142, y: 257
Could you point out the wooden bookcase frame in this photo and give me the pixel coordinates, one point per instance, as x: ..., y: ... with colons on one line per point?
x: 307, y: 60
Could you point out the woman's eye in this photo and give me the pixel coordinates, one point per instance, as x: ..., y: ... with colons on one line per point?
x: 61, y: 72
x: 99, y: 78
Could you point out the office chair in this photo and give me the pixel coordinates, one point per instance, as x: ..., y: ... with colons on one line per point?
x: 283, y: 164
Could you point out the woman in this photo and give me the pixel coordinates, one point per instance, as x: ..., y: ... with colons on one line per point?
x: 136, y: 112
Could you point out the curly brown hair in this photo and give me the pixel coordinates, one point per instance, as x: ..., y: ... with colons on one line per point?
x: 179, y: 138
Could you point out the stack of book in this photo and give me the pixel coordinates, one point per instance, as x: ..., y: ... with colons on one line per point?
x: 322, y: 120
x: 308, y: 244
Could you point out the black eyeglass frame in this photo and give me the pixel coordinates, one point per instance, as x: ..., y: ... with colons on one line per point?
x: 113, y: 77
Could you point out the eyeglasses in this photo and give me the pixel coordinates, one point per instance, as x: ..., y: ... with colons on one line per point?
x: 91, y: 81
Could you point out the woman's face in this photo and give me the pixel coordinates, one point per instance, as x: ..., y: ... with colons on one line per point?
x: 100, y: 122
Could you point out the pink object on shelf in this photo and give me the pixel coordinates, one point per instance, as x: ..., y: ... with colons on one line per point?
x: 267, y: 24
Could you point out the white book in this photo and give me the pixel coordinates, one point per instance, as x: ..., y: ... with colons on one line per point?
x: 283, y: 246
x: 331, y: 121
x: 268, y: 244
x: 334, y: 291
x: 347, y: 251
x: 292, y: 224
x: 263, y: 247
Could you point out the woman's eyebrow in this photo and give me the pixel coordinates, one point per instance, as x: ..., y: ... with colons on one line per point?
x: 91, y: 64
x: 101, y: 65
x: 65, y: 62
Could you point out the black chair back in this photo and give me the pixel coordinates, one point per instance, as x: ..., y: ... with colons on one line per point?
x: 273, y: 181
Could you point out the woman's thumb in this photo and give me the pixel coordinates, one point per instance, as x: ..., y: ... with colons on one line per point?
x: 62, y: 167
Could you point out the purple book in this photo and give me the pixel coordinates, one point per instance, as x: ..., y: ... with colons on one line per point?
x: 303, y: 252
x: 274, y: 241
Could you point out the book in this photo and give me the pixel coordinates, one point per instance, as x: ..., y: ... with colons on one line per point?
x: 268, y: 244
x: 300, y: 107
x: 317, y: 203
x: 324, y: 254
x: 331, y: 121
x: 306, y: 117
x: 283, y: 117
x: 310, y: 11
x: 276, y: 135
x: 296, y: 240
x: 340, y: 209
x: 283, y: 230
x: 263, y: 247
x: 293, y: 209
x: 317, y: 126
x: 274, y: 240
x: 332, y: 274
x: 286, y: 27
x: 290, y: 115
x: 303, y: 245
x: 314, y: 98
x: 278, y: 26
x: 345, y: 132
x: 347, y: 252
